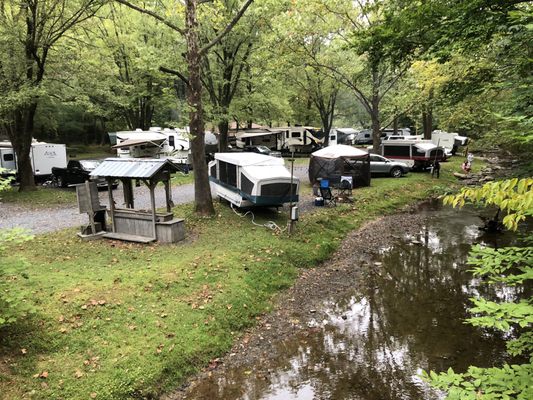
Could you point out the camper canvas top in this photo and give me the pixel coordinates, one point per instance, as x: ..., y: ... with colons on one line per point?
x: 340, y: 150
x: 249, y: 159
x: 426, y: 146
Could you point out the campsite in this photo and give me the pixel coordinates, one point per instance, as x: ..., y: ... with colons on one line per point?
x: 265, y: 200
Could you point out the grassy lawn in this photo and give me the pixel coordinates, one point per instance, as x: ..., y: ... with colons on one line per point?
x: 42, y: 197
x: 116, y: 320
x: 90, y: 152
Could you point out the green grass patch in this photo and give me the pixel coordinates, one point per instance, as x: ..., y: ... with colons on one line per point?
x: 42, y: 197
x: 90, y: 152
x: 125, y: 320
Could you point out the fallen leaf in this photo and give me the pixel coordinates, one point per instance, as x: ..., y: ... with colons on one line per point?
x: 23, y: 351
x: 78, y: 374
x: 93, y: 395
x: 43, y: 375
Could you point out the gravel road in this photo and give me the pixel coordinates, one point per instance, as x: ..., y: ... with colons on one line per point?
x: 49, y: 219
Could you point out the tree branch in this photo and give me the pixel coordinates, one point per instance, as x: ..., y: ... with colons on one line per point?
x: 226, y: 30
x: 174, y: 72
x: 152, y: 14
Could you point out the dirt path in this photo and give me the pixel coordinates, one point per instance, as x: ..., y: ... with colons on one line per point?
x: 43, y: 220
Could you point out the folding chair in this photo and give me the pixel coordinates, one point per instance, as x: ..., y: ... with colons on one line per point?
x: 328, y: 197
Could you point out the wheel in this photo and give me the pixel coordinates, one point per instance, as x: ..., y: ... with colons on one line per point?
x: 61, y: 182
x: 396, y: 172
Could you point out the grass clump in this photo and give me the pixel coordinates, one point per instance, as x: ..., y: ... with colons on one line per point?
x: 119, y: 320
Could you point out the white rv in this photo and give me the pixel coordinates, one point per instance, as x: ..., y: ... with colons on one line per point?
x: 251, y: 179
x: 345, y: 136
x: 301, y: 139
x: 417, y: 154
x: 449, y: 140
x: 172, y: 144
x: 43, y: 156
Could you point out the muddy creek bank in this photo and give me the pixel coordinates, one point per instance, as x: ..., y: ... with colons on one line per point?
x: 390, y: 303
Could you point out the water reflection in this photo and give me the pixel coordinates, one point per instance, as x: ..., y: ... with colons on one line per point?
x: 407, y: 316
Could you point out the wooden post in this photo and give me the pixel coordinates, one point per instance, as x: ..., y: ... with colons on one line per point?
x: 168, y: 195
x: 151, y: 186
x: 111, y: 203
x: 90, y: 210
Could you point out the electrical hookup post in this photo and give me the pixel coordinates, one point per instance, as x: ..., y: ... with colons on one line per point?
x: 293, y: 209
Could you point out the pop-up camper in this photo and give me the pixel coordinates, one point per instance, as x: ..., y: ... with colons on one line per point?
x: 251, y: 179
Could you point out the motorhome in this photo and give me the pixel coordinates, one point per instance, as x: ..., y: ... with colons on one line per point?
x: 449, y: 140
x: 172, y: 144
x: 417, y: 154
x: 43, y: 156
x: 251, y: 179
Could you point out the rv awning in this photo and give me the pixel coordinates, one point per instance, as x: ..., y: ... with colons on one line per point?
x: 340, y: 150
x: 244, y: 135
x: 135, y: 168
x: 138, y: 142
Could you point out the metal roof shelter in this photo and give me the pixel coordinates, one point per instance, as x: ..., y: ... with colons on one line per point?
x: 138, y: 225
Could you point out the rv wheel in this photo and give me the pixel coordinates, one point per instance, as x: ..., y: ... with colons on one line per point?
x: 396, y: 172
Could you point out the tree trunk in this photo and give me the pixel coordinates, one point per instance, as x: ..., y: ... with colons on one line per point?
x: 223, y: 127
x: 427, y: 121
x: 202, y: 190
x: 20, y: 134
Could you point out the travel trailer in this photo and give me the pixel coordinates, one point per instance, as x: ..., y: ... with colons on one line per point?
x: 417, y: 154
x: 270, y: 138
x: 172, y: 144
x: 450, y: 141
x: 300, y: 139
x: 44, y: 156
x: 251, y: 179
x: 342, y: 136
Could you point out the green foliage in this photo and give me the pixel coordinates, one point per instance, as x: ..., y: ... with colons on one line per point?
x: 13, y: 300
x: 512, y: 266
x: 514, y: 196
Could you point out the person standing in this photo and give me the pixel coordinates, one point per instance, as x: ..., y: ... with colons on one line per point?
x: 436, y: 169
x: 470, y: 159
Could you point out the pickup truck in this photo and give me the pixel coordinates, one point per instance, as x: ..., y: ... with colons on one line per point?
x: 77, y: 171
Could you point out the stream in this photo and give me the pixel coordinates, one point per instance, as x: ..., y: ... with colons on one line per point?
x: 372, y: 342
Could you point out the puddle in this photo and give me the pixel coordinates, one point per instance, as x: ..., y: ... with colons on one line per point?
x: 373, y: 343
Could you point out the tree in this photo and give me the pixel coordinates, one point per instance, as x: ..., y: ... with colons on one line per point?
x: 194, y: 55
x: 29, y: 32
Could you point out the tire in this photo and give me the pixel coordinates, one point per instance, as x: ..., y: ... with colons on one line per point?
x: 61, y: 182
x: 396, y: 172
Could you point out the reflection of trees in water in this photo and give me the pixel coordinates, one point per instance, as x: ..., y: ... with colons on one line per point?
x: 408, y: 315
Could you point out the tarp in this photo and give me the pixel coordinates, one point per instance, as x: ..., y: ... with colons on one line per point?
x: 336, y: 161
x: 245, y: 158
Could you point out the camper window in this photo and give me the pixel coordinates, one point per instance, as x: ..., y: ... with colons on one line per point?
x: 9, y: 157
x: 296, y: 134
x: 396, y: 151
x: 246, y: 184
x: 171, y: 141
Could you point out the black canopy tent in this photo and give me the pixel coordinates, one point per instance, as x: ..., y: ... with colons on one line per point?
x: 334, y: 162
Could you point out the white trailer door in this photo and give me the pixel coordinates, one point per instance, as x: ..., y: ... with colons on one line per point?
x: 7, y: 159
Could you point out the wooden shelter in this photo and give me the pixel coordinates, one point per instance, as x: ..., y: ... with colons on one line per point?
x: 141, y: 226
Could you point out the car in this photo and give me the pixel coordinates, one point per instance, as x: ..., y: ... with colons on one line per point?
x: 77, y: 171
x: 383, y: 166
x: 263, y: 150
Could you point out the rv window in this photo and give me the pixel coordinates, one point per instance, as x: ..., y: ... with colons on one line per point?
x: 232, y: 174
x: 213, y: 171
x: 246, y: 184
x: 332, y: 137
x: 278, y: 189
x: 296, y: 134
x: 367, y: 135
x: 398, y: 150
x: 9, y: 157
x: 171, y: 141
x: 223, y: 172
x: 287, y: 134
